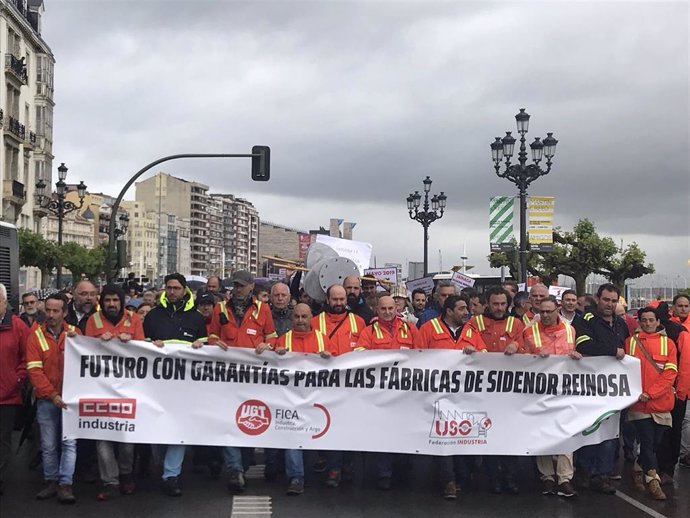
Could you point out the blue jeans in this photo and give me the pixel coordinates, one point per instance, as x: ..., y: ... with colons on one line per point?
x: 294, y: 464
x: 598, y: 459
x: 233, y: 459
x: 59, y: 456
x: 172, y: 463
x: 650, y: 435
x: 384, y: 464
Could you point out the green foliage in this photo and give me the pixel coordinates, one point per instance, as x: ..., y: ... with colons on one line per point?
x: 80, y: 260
x: 35, y: 250
x: 626, y: 264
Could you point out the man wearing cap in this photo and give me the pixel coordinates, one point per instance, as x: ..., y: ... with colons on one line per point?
x: 175, y: 318
x: 355, y: 301
x: 205, y: 303
x: 402, y: 304
x: 113, y: 321
x: 242, y: 321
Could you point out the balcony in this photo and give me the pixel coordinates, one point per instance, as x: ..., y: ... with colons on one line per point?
x: 13, y: 192
x: 15, y: 128
x: 16, y: 68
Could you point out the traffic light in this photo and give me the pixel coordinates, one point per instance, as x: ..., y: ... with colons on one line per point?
x: 261, y: 165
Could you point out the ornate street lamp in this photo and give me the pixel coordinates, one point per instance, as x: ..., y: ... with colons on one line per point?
x: 58, y: 205
x: 428, y: 215
x: 522, y: 174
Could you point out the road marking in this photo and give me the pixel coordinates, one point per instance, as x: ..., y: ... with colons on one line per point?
x: 639, y: 505
x: 255, y: 472
x: 251, y: 507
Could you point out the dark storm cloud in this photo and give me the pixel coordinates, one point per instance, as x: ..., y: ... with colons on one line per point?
x: 359, y: 101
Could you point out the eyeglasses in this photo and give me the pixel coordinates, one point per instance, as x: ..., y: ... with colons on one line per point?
x: 547, y: 312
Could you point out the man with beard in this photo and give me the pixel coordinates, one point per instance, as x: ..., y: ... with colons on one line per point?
x: 31, y: 312
x: 113, y: 321
x: 443, y: 290
x: 175, y: 318
x: 418, y: 302
x: 83, y: 304
x: 343, y: 328
x: 496, y: 332
x: 355, y: 301
x: 45, y: 357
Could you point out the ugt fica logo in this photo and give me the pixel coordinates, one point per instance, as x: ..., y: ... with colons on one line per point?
x: 253, y: 417
x: 449, y: 422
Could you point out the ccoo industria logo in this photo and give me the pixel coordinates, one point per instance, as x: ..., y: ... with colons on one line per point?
x: 451, y: 423
x: 115, y: 414
x: 253, y: 417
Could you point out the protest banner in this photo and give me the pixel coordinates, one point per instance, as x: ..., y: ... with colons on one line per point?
x: 357, y: 251
x: 389, y: 274
x: 557, y: 291
x: 461, y: 280
x: 425, y: 283
x: 437, y: 402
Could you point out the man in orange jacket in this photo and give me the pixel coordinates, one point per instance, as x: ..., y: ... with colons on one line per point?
x: 243, y: 321
x: 680, y: 310
x: 548, y: 335
x: 110, y: 321
x: 45, y: 357
x: 651, y: 415
x: 496, y: 332
x: 387, y: 330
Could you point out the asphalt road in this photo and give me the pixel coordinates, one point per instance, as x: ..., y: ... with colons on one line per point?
x: 415, y: 493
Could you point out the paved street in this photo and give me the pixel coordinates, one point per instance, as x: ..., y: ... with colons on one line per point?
x: 415, y: 494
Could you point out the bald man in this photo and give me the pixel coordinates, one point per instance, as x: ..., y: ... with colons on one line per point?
x: 83, y: 305
x: 355, y: 300
x: 388, y: 329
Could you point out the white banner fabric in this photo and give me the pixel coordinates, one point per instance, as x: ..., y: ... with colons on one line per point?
x: 357, y: 251
x: 437, y: 402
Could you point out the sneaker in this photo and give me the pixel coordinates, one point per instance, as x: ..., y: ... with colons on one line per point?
x: 383, y: 483
x: 127, y: 485
x: 296, y: 487
x: 237, y: 483
x: 108, y: 492
x: 450, y: 492
x: 566, y: 489
x: 654, y: 486
x: 171, y: 486
x: 602, y: 485
x: 65, y: 494
x: 333, y: 478
x: 549, y: 487
x: 320, y: 465
x: 49, y: 490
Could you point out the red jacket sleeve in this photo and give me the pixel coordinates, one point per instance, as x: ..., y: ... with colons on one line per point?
x: 683, y: 379
x: 137, y: 327
x: 667, y: 376
x: 214, y: 327
x: 365, y: 337
x: 34, y: 364
x: 23, y: 331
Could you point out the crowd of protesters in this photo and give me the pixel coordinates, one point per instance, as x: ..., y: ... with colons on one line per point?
x: 355, y: 316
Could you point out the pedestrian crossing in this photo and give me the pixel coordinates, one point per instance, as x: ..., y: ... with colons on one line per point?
x: 251, y: 507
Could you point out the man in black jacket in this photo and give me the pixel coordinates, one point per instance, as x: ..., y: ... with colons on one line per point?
x: 175, y: 318
x: 600, y: 333
x: 356, y: 303
x: 83, y: 304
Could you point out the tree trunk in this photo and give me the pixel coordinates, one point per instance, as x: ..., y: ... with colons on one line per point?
x: 580, y: 284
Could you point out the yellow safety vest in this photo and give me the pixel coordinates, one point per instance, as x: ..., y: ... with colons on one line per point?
x: 323, y: 327
x: 319, y: 339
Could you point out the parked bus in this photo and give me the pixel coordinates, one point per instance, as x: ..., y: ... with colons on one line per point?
x: 9, y: 263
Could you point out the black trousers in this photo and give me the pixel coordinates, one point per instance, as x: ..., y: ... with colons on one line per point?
x: 7, y: 414
x: 668, y: 451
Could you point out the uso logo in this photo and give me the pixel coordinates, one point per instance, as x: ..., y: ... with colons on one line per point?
x: 253, y: 417
x: 108, y: 407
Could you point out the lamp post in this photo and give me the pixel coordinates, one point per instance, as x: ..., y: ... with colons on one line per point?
x: 428, y: 215
x: 60, y: 207
x: 522, y: 174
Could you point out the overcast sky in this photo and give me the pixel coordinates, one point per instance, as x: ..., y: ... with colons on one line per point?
x: 359, y: 101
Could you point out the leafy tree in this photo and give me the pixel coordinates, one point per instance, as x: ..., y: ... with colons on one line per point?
x: 81, y: 260
x: 35, y: 250
x: 626, y: 264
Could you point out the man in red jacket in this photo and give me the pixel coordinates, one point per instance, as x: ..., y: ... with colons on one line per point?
x: 45, y: 358
x: 13, y: 333
x: 651, y: 415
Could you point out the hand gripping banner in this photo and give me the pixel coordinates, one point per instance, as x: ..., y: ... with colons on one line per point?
x: 433, y: 402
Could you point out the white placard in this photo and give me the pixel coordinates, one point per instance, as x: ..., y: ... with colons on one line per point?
x: 425, y: 283
x: 357, y: 251
x: 389, y: 274
x: 557, y: 291
x: 461, y: 280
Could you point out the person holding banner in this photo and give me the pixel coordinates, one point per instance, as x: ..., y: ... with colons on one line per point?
x: 175, y: 319
x: 45, y: 354
x: 445, y: 332
x: 600, y: 333
x: 553, y: 335
x: 110, y: 321
x: 496, y: 332
x: 651, y: 415
x: 301, y: 339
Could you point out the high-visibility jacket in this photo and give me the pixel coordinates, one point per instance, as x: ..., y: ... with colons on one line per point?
x: 685, y: 323
x: 377, y: 335
x: 45, y: 360
x: 434, y: 334
x: 556, y: 339
x: 489, y: 335
x: 13, y: 333
x: 256, y: 327
x: 130, y: 323
x: 683, y: 378
x: 313, y: 341
x: 346, y: 335
x: 658, y: 385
